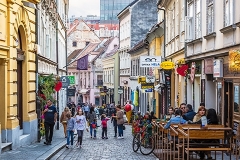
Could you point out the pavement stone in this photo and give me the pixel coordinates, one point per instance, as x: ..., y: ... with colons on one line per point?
x: 37, y: 150
x: 104, y: 149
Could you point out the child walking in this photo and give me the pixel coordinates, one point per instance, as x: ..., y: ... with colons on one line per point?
x: 81, y: 124
x: 70, y: 129
x: 104, y: 120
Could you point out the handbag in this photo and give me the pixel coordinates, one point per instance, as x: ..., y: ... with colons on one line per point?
x: 125, y: 118
x: 124, y: 127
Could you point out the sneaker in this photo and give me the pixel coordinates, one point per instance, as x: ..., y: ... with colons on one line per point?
x: 103, y: 137
x: 118, y: 137
x: 106, y: 137
x: 67, y: 146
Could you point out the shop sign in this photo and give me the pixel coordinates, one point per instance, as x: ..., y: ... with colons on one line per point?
x: 147, y: 85
x: 167, y: 65
x: 71, y: 92
x: 120, y: 90
x: 193, y: 70
x: 71, y: 79
x: 141, y: 79
x: 208, y: 66
x: 150, y: 79
x: 234, y: 60
x: 148, y: 90
x: 150, y: 61
x: 218, y: 68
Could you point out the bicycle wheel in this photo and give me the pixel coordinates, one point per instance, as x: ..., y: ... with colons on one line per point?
x: 136, y: 142
x: 147, y: 145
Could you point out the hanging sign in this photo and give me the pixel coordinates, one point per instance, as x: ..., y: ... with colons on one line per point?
x: 167, y: 65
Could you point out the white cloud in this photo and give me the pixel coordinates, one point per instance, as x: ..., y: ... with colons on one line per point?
x: 84, y: 7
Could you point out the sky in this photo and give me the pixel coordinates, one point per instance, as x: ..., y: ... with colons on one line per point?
x: 84, y: 7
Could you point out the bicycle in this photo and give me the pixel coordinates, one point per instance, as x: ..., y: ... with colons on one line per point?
x: 144, y: 141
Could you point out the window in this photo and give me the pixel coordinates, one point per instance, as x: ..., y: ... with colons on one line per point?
x: 74, y: 44
x: 210, y: 17
x: 198, y: 19
x: 228, y: 12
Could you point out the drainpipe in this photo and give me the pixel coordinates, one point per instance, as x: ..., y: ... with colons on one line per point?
x: 38, y: 108
x: 57, y: 126
x: 185, y: 51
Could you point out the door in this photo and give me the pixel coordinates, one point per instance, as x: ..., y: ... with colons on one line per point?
x: 228, y: 104
x: 19, y: 94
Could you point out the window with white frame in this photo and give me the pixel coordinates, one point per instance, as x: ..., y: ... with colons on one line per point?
x: 210, y: 16
x: 198, y: 19
x: 47, y: 49
x: 228, y: 12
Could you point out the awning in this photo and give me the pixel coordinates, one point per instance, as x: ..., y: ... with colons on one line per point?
x: 83, y: 91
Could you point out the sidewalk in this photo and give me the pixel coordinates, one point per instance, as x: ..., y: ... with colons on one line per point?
x: 37, y: 151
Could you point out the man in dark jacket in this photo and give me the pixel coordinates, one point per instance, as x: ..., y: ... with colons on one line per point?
x: 189, y: 113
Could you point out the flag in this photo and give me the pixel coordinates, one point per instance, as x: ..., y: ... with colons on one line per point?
x: 82, y: 63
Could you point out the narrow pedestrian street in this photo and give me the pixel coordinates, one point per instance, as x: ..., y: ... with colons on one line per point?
x: 103, y: 149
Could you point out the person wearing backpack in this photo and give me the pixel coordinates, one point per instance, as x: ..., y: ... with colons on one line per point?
x: 91, y: 117
x: 104, y: 120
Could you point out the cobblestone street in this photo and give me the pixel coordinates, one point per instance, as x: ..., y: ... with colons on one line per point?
x: 104, y: 149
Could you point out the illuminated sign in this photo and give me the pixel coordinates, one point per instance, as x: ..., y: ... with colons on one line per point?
x: 167, y: 65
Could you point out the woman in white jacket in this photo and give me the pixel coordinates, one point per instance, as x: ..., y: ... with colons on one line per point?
x: 81, y: 124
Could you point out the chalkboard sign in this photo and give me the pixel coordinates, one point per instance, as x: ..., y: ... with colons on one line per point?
x: 71, y: 92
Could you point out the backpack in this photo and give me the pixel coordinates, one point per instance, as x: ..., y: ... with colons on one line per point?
x: 104, y: 123
x: 94, y: 125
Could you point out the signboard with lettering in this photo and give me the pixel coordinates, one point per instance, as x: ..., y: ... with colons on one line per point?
x: 150, y: 61
x: 167, y: 65
x: 150, y: 79
x: 141, y: 79
x: 71, y: 91
x: 218, y: 68
x: 147, y: 85
x: 65, y: 81
x: 71, y: 79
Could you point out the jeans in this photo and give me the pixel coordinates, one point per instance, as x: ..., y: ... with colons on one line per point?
x: 48, y: 131
x: 120, y: 130
x: 80, y: 136
x: 104, y: 131
x: 70, y: 135
x: 93, y: 130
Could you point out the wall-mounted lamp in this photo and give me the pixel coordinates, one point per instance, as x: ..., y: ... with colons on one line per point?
x: 29, y: 4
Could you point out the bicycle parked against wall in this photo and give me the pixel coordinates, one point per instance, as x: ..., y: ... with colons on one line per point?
x: 143, y: 140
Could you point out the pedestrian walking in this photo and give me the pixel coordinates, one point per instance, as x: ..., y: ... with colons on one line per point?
x: 104, y: 120
x: 86, y: 108
x: 91, y: 117
x: 63, y: 120
x: 114, y: 121
x: 70, y: 129
x: 50, y: 117
x: 120, y: 121
x: 81, y: 124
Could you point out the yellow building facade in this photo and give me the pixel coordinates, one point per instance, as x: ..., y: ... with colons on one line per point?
x: 18, y: 116
x: 156, y: 42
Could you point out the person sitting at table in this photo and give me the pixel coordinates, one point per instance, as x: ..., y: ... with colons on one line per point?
x: 197, y: 119
x: 212, y: 116
x: 189, y: 113
x: 182, y: 107
x: 176, y: 120
x: 170, y: 114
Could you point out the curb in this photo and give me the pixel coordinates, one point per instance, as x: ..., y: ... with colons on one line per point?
x: 49, y: 154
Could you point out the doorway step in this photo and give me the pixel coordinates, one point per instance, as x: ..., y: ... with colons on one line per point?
x: 23, y: 138
x: 6, y: 147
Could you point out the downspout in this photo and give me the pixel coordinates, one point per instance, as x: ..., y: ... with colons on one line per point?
x: 38, y: 107
x: 120, y: 95
x: 57, y: 127
x: 185, y: 52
